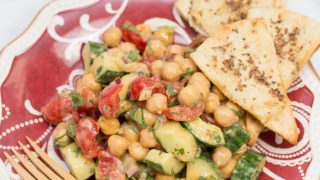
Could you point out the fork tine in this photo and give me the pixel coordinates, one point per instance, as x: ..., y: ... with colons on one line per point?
x: 50, y: 174
x: 30, y: 167
x: 49, y: 161
x: 22, y: 172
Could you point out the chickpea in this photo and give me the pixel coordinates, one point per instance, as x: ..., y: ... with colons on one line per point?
x: 149, y: 118
x: 226, y: 170
x: 147, y: 138
x: 166, y: 35
x: 204, y: 90
x: 155, y: 48
x: 156, y: 67
x: 108, y: 126
x: 224, y: 116
x: 188, y: 65
x: 175, y: 49
x: 112, y: 37
x: 179, y: 59
x: 221, y: 155
x: 144, y: 27
x: 137, y: 151
x: 199, y: 78
x: 164, y: 177
x: 189, y: 95
x: 130, y: 132
x: 89, y: 81
x: 118, y: 145
x: 127, y: 47
x: 211, y: 103
x: 219, y: 93
x: 171, y: 71
x: 157, y: 103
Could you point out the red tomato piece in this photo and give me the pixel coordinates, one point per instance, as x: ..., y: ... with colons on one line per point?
x: 184, y: 113
x: 131, y: 34
x: 109, y: 167
x: 54, y: 111
x: 145, y: 83
x: 109, y: 102
x: 86, y: 132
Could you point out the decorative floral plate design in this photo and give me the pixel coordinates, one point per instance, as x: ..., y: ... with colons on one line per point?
x: 46, y: 59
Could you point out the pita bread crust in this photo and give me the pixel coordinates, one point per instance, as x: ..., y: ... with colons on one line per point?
x: 183, y: 7
x: 296, y: 38
x: 210, y: 15
x: 240, y: 61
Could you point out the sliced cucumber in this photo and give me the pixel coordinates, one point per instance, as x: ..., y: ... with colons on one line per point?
x: 177, y: 140
x: 202, y: 169
x: 136, y: 115
x: 126, y: 81
x: 60, y: 135
x: 235, y: 137
x: 249, y: 166
x: 80, y: 167
x: 90, y: 51
x: 106, y: 69
x: 206, y: 133
x: 163, y: 162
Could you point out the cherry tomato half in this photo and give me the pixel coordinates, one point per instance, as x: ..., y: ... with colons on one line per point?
x: 184, y: 113
x: 145, y: 83
x: 131, y: 34
x: 86, y: 131
x: 109, y: 102
x: 109, y: 167
x: 54, y: 111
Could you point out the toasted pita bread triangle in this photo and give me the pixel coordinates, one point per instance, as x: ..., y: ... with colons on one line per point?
x: 210, y: 15
x: 183, y: 7
x: 240, y: 59
x: 296, y: 38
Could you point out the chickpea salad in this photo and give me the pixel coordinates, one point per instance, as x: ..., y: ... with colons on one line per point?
x: 143, y: 110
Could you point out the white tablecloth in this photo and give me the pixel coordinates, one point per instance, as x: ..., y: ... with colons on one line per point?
x: 15, y: 16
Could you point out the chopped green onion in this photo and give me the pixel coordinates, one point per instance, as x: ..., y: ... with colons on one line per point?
x: 77, y: 99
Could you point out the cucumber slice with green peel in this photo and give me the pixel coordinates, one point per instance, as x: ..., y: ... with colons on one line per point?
x: 80, y: 167
x: 249, y: 166
x: 90, y: 51
x: 202, y: 169
x: 136, y: 114
x: 163, y: 162
x: 208, y: 134
x: 105, y: 68
x: 177, y: 140
x: 235, y: 137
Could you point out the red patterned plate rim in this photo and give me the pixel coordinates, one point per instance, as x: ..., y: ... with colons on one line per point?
x: 305, y: 164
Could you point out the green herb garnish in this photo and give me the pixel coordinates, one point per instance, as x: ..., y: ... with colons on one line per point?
x: 188, y: 72
x: 179, y: 151
x: 238, y: 113
x: 77, y: 100
x: 129, y: 27
x: 133, y: 56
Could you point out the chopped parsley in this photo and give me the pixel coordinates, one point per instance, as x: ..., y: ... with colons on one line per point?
x: 238, y: 113
x: 179, y: 151
x: 77, y: 151
x: 71, y: 130
x: 77, y: 100
x: 188, y: 72
x: 133, y: 56
x: 170, y: 90
x: 95, y: 50
x: 129, y: 27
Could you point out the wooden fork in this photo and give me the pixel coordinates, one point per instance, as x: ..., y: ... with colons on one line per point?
x: 43, y: 168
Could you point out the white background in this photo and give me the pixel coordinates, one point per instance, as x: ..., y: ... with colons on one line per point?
x: 15, y: 16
